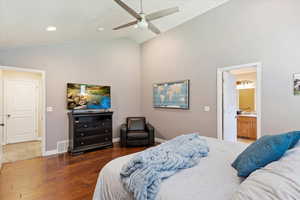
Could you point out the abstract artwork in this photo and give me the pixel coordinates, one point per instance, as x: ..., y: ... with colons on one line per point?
x: 171, y: 95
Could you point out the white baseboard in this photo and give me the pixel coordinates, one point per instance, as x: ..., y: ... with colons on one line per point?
x: 115, y: 140
x: 50, y: 153
x: 55, y: 151
x: 159, y: 140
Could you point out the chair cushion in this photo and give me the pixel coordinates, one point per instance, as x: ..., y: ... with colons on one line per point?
x: 137, y: 135
x: 264, y: 151
x: 136, y: 124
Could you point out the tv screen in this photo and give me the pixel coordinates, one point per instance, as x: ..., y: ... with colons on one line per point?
x: 84, y: 96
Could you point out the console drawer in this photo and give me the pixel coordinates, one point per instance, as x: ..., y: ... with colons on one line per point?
x: 86, y: 126
x: 100, y: 131
x: 93, y: 140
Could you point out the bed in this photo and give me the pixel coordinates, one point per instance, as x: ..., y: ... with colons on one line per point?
x: 213, y: 178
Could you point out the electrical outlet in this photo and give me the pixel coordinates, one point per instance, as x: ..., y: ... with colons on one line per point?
x: 206, y: 108
x: 49, y: 109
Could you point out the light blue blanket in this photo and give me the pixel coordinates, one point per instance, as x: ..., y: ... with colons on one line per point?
x: 143, y: 174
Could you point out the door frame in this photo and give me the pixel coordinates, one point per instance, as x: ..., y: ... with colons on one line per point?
x: 43, y: 93
x: 5, y: 112
x: 258, y: 90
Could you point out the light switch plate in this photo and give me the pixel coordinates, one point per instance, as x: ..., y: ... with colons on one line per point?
x: 206, y: 108
x: 49, y: 109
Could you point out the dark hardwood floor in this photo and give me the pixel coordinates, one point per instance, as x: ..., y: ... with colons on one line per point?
x: 60, y: 177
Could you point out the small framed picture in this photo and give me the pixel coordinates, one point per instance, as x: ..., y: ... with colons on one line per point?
x: 297, y: 84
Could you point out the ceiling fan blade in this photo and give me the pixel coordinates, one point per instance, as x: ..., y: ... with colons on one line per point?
x: 153, y: 28
x: 126, y: 25
x: 128, y: 9
x: 162, y: 13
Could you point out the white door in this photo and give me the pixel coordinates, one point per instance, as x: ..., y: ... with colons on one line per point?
x: 21, y: 100
x: 1, y: 118
x: 229, y: 107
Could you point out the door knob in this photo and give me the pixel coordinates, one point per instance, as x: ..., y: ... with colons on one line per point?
x: 8, y: 115
x: 1, y: 124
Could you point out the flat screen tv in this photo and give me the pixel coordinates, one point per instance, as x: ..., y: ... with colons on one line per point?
x: 84, y: 96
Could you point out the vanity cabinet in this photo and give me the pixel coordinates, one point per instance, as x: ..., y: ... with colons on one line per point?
x: 246, y: 127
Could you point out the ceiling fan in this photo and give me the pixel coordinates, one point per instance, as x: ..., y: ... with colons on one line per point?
x: 143, y: 21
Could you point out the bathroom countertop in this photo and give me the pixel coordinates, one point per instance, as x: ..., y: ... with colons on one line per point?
x: 247, y: 115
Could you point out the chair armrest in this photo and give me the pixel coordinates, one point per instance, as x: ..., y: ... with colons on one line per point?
x: 124, y: 128
x: 151, y: 132
x: 149, y: 127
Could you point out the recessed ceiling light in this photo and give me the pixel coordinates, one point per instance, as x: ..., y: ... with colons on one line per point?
x: 51, y: 28
x: 100, y: 29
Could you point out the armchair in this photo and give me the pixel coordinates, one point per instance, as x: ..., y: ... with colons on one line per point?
x: 136, y: 132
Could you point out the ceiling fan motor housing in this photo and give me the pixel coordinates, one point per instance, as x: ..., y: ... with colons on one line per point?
x: 143, y: 24
x: 143, y: 21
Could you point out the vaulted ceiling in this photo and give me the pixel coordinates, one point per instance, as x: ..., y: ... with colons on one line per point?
x: 23, y: 22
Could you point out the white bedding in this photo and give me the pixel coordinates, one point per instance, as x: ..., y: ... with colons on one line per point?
x: 277, y: 181
x: 212, y: 179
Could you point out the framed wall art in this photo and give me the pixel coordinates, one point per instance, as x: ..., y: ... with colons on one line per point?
x: 297, y: 84
x: 172, y: 95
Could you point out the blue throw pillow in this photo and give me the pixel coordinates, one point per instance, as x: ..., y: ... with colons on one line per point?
x: 264, y: 151
x: 295, y: 139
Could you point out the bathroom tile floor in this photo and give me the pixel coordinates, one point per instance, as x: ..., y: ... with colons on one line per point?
x: 245, y: 140
x: 21, y: 151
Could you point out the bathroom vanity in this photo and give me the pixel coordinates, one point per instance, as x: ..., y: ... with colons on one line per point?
x: 246, y: 126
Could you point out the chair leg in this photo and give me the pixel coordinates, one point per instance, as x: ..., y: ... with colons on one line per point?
x: 123, y: 143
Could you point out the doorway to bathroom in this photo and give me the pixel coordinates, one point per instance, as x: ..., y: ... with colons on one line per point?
x: 21, y: 114
x: 239, y: 103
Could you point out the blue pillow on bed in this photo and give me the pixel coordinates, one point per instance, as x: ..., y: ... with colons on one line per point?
x: 264, y: 151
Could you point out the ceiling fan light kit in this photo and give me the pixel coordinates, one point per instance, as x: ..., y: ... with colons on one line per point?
x: 51, y: 28
x: 143, y: 24
x: 143, y: 21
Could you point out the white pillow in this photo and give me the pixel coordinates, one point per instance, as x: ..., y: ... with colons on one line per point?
x: 280, y: 180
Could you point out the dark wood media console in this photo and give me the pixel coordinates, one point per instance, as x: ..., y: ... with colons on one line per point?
x: 89, y: 130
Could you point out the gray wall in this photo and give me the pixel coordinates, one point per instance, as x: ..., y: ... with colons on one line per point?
x: 238, y: 32
x: 115, y: 63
